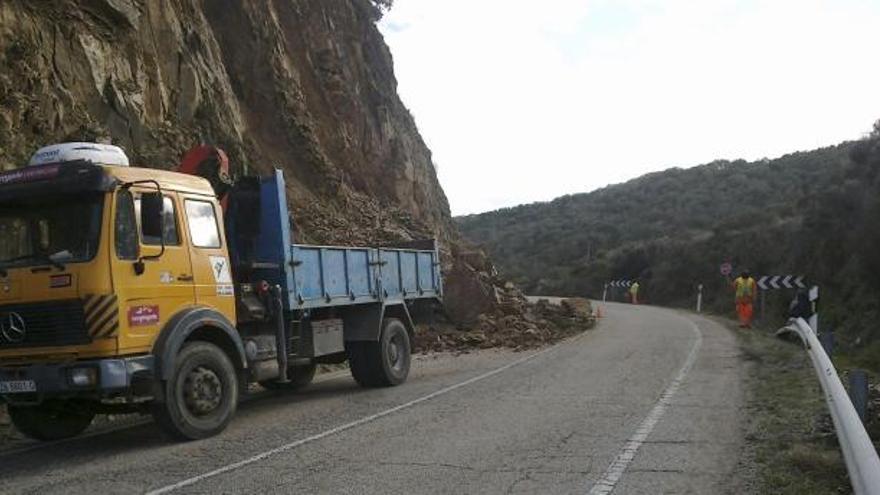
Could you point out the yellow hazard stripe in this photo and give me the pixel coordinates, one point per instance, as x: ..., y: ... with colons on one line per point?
x: 101, y: 315
x: 107, y: 327
x: 89, y: 303
x: 99, y: 312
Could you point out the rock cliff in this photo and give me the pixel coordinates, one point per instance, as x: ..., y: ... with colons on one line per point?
x: 307, y: 86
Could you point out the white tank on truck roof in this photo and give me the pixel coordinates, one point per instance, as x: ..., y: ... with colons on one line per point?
x: 103, y: 154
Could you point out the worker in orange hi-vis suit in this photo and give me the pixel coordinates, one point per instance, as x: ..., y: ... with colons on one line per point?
x: 746, y: 289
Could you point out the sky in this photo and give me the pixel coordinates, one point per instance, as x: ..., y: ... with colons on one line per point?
x: 524, y: 101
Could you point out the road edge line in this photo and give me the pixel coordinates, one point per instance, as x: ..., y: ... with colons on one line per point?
x: 353, y: 424
x: 618, y: 466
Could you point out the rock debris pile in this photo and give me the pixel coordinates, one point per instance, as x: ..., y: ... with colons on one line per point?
x: 495, y: 313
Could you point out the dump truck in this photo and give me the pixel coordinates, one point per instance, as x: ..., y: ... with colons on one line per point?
x: 127, y: 289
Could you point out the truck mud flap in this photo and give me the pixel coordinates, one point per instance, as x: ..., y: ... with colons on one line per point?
x: 364, y: 321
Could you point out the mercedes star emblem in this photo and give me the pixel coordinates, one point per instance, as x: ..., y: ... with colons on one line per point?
x: 13, y: 328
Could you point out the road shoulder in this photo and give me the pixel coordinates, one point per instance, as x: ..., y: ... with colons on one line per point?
x: 698, y: 445
x: 789, y: 432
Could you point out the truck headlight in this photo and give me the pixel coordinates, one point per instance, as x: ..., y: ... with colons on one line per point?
x: 83, y: 377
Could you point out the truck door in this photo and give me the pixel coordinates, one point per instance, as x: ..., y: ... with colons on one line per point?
x: 149, y: 299
x: 208, y: 255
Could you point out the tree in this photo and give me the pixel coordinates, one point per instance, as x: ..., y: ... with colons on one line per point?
x: 380, y: 7
x: 813, y: 212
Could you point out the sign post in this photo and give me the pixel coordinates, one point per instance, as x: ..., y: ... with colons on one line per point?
x: 814, y: 318
x: 614, y: 284
x: 763, y: 305
x: 780, y: 282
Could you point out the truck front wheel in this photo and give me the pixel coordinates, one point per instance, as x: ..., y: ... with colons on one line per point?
x: 383, y: 363
x: 201, y: 396
x: 52, y: 419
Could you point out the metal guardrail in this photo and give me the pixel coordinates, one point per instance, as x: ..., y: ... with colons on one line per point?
x: 862, y: 462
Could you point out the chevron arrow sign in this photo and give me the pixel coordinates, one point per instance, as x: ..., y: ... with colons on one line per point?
x: 768, y: 282
x: 762, y: 282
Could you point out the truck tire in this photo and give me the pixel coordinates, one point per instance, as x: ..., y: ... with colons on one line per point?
x: 201, y: 396
x: 53, y: 419
x: 299, y: 377
x: 384, y: 363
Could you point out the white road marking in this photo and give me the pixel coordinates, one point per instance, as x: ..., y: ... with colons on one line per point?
x: 141, y: 422
x: 618, y: 466
x: 348, y: 426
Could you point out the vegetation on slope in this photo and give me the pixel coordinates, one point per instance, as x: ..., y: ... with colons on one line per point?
x: 814, y: 213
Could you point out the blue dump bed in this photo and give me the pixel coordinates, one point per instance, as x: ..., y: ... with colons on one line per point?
x: 328, y: 276
x: 332, y: 276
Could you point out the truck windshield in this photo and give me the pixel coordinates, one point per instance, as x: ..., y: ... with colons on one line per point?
x: 52, y: 230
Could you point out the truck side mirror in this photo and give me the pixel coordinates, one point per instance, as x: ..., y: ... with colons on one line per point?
x: 152, y: 225
x: 152, y: 219
x: 151, y: 214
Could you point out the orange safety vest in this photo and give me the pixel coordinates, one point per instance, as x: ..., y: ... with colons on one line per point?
x: 745, y: 287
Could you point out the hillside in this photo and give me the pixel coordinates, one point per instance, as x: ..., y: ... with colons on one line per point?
x: 304, y: 86
x: 810, y: 212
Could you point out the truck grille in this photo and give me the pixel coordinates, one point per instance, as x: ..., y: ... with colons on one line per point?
x: 52, y: 323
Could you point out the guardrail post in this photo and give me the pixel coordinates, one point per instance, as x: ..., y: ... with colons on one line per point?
x: 858, y: 392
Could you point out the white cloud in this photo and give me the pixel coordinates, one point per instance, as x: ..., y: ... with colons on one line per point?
x: 525, y: 101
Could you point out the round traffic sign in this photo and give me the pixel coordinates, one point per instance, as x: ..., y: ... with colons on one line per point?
x: 726, y: 268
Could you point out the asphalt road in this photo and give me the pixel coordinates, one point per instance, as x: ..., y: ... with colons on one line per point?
x: 649, y: 402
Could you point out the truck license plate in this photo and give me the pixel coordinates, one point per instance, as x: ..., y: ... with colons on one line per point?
x: 18, y: 386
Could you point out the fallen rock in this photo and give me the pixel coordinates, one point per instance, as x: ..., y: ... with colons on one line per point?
x: 550, y: 324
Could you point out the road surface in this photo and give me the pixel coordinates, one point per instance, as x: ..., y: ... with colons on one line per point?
x: 648, y: 402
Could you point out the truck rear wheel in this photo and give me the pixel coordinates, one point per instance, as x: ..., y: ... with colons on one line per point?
x: 201, y: 396
x: 383, y: 363
x: 298, y: 376
x: 53, y: 419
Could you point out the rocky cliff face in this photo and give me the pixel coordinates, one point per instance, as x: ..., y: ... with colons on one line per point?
x: 304, y: 85
x: 307, y: 86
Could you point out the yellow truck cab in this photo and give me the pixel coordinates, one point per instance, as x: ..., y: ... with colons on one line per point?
x: 118, y: 294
